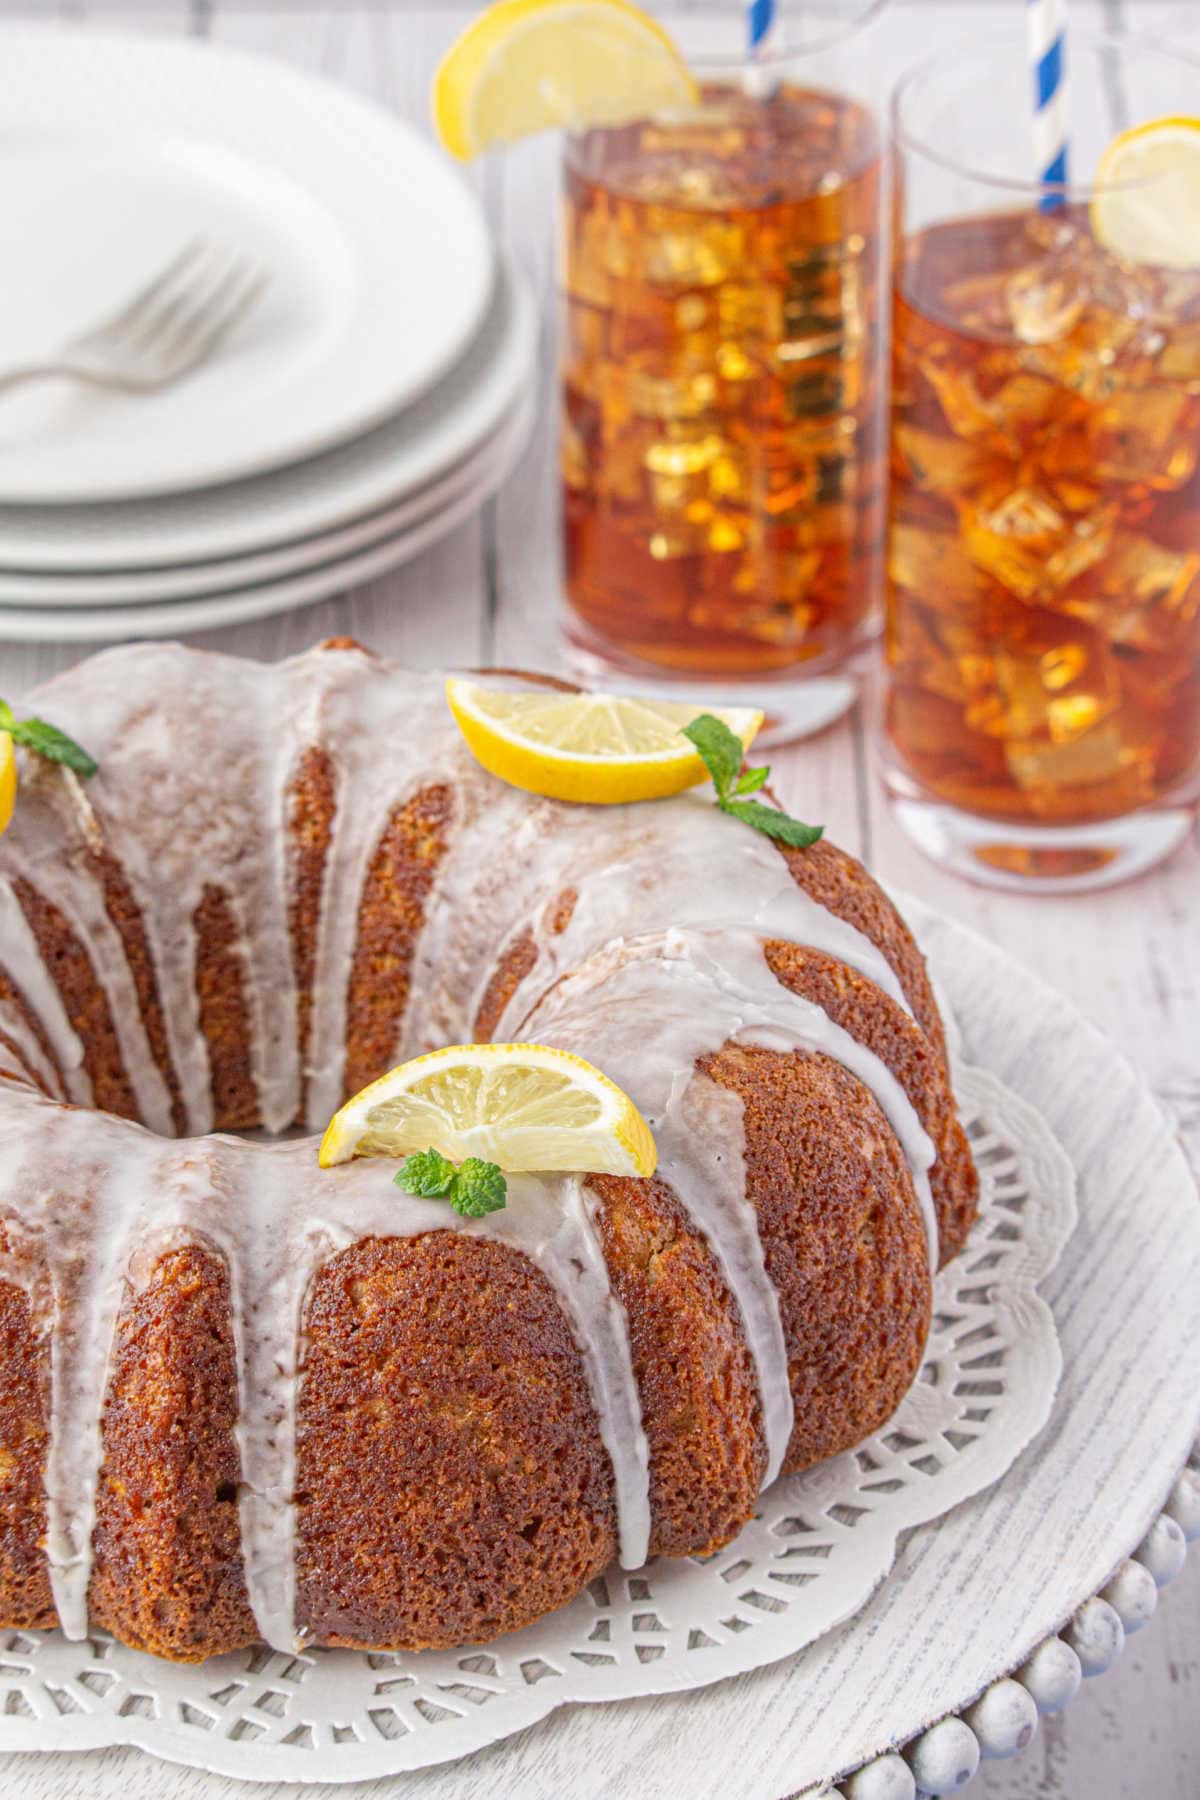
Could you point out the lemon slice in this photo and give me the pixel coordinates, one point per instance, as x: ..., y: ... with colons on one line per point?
x: 603, y: 748
x: 1147, y: 203
x: 525, y: 65
x: 8, y: 779
x: 522, y: 1106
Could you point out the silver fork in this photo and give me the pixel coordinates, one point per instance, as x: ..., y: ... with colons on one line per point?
x: 167, y: 329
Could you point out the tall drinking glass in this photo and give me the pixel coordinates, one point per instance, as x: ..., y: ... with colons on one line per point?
x: 722, y: 454
x: 1042, y: 720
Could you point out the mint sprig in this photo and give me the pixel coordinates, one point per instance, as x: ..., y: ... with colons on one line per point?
x: 47, y: 741
x: 474, y: 1188
x: 721, y: 753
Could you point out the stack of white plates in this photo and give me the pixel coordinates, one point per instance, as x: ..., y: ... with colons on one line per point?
x: 379, y: 393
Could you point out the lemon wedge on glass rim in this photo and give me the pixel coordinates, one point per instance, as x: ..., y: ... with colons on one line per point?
x: 1146, y: 208
x: 8, y: 779
x: 526, y: 65
x: 520, y: 1106
x: 605, y: 749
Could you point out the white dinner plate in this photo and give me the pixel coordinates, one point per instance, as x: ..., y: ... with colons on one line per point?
x: 135, y: 586
x: 174, y: 618
x: 379, y: 469
x: 117, y: 150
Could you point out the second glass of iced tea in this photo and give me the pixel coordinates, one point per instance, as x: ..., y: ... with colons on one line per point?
x: 722, y: 454
x: 1042, y: 723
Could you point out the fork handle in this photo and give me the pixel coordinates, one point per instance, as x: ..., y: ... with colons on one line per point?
x: 46, y: 371
x: 23, y: 372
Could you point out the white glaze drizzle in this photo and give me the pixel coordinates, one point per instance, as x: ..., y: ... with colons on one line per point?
x: 80, y: 899
x: 76, y: 1200
x: 671, y: 871
x: 32, y: 1054
x: 702, y: 989
x: 20, y: 956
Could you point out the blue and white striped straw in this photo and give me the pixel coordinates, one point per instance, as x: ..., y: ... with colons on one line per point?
x: 760, y: 26
x: 760, y: 36
x: 1047, y: 21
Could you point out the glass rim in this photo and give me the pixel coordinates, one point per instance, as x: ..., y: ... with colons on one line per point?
x: 903, y: 138
x: 777, y: 56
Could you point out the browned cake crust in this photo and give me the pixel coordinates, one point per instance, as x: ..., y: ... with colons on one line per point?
x: 695, y: 1376
x: 25, y: 1597
x: 844, y: 1240
x: 841, y: 884
x: 875, y: 1020
x: 452, y: 1483
x: 224, y: 1012
x: 311, y: 802
x: 514, y: 964
x: 390, y: 915
x: 126, y: 915
x: 167, y: 1563
x: 84, y: 1000
x: 18, y: 1067
x: 11, y: 994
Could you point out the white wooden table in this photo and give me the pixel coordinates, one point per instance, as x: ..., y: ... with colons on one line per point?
x: 1129, y: 959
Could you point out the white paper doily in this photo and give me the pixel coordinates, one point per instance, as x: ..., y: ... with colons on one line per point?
x: 821, y: 1543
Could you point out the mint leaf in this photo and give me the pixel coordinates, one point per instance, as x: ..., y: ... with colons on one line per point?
x: 721, y: 753
x: 479, y: 1189
x: 776, y: 824
x: 720, y: 750
x: 474, y: 1188
x: 47, y: 740
x: 426, y: 1173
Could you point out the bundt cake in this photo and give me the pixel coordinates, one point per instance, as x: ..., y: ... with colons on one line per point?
x: 247, y: 1399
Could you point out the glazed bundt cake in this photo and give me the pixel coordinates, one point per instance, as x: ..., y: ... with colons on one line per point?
x: 244, y: 1398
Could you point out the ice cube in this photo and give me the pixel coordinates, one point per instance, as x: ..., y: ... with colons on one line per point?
x: 654, y: 394
x: 703, y: 255
x: 1153, y: 575
x: 1144, y: 598
x: 1146, y: 435
x: 1085, y: 360
x: 1030, y: 408
x: 1179, y: 358
x: 1071, y: 715
x: 734, y: 366
x: 1043, y: 303
x: 748, y: 310
x: 948, y: 466
x: 979, y: 303
x: 1029, y: 544
x: 729, y: 477
x: 931, y: 563
x: 1052, y: 773
x: 965, y: 410
x: 1062, y: 665
x: 1025, y: 704
x: 682, y: 457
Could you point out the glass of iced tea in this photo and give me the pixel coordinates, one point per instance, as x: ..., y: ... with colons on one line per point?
x: 1042, y: 705
x: 723, y: 388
